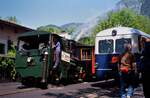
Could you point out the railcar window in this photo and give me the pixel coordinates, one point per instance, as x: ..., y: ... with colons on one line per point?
x: 120, y: 44
x: 2, y: 48
x: 86, y: 54
x: 106, y: 46
x: 32, y: 42
x: 65, y: 45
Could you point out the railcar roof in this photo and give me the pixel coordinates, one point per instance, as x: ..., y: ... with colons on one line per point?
x: 85, y: 46
x: 31, y: 33
x: 122, y: 31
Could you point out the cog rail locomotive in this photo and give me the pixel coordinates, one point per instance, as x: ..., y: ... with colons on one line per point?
x: 35, y: 59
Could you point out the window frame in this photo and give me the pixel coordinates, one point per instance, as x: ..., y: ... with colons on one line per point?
x: 4, y: 49
x: 129, y: 42
x: 111, y: 47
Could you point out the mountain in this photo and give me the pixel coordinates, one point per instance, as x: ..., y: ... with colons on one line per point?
x: 76, y: 30
x: 50, y: 28
x: 131, y: 4
x: 71, y: 27
x: 140, y: 6
x: 145, y: 8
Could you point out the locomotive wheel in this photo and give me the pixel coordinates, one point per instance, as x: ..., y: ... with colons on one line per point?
x: 23, y: 81
x: 44, y: 85
x: 37, y: 82
x: 28, y: 81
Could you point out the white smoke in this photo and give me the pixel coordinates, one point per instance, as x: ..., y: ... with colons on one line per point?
x: 85, y: 29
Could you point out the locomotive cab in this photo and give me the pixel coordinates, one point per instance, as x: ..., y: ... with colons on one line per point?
x: 32, y: 49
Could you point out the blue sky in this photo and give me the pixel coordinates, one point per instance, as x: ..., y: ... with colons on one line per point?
x: 35, y: 13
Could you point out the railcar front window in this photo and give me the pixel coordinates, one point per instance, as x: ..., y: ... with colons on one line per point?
x: 32, y: 42
x: 105, y: 46
x: 120, y: 44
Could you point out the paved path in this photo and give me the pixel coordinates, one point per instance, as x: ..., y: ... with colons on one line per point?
x: 82, y: 90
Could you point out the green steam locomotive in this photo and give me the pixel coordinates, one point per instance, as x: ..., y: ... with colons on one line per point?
x: 36, y: 57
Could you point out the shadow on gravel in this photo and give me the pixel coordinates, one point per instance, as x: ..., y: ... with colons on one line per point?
x: 107, y: 90
x: 60, y: 95
x: 23, y: 87
x: 105, y: 84
x: 5, y: 81
x: 110, y: 89
x: 83, y: 93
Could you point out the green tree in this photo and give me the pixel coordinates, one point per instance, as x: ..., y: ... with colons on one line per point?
x: 143, y: 23
x: 87, y: 40
x: 7, y: 67
x: 12, y: 19
x: 126, y: 18
x: 50, y: 28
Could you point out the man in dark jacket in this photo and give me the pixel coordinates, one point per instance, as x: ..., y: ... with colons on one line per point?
x: 145, y: 61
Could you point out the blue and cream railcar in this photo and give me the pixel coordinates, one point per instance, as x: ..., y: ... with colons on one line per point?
x: 109, y: 44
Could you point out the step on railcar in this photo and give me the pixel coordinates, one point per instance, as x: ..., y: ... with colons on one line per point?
x: 35, y: 59
x: 109, y: 44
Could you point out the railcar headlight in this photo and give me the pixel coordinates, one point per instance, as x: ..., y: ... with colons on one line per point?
x: 46, y: 53
x: 29, y: 59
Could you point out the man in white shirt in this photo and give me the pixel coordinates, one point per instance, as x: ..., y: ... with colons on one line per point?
x: 57, y: 48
